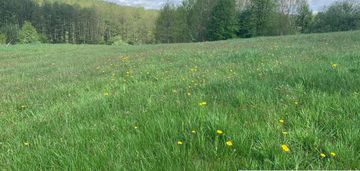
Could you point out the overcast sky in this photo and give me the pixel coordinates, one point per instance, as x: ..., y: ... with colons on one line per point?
x: 316, y: 5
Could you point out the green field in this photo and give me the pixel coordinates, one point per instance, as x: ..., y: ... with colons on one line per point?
x: 87, y: 107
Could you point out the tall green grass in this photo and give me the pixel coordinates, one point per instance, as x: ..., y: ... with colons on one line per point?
x: 83, y: 107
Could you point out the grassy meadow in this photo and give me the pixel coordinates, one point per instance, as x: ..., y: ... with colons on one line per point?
x: 288, y: 102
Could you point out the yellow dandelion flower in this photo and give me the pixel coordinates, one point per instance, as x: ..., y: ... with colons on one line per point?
x: 193, y: 70
x: 202, y: 104
x: 334, y: 66
x: 106, y: 94
x: 193, y: 131
x: 180, y: 143
x: 124, y: 58
x: 229, y: 143
x: 219, y: 132
x: 285, y: 148
x: 135, y: 127
x: 333, y: 154
x: 322, y: 155
x: 285, y: 133
x: 282, y: 121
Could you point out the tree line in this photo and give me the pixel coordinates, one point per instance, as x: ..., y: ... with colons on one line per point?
x: 74, y: 21
x: 100, y: 22
x: 208, y: 20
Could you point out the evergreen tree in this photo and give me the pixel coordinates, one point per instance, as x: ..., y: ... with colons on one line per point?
x: 223, y: 23
x: 28, y: 34
x: 246, y: 29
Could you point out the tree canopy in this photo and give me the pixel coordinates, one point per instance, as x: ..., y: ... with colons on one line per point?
x: 28, y: 34
x: 207, y: 20
x: 100, y: 22
x: 78, y: 21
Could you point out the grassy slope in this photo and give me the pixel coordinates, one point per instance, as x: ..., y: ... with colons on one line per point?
x: 54, y: 112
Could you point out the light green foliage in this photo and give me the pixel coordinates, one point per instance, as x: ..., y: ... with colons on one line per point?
x: 118, y: 41
x: 87, y: 107
x: 28, y: 34
x: 2, y: 38
x: 79, y: 21
x: 188, y: 22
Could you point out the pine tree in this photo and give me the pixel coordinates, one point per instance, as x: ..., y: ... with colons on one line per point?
x: 246, y: 29
x: 28, y: 34
x: 223, y: 23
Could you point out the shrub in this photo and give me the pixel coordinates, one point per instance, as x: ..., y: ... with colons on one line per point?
x: 117, y: 41
x: 2, y: 39
x: 43, y: 38
x: 28, y: 34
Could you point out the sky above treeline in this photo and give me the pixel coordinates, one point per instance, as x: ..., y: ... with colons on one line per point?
x: 316, y: 5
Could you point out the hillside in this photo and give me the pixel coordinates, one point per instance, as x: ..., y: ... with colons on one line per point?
x: 133, y: 24
x: 288, y: 102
